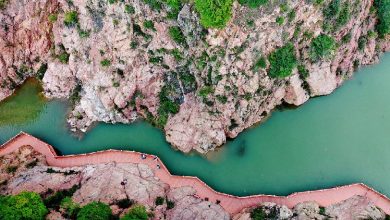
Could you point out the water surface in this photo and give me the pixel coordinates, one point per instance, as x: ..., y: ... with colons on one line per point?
x: 334, y: 140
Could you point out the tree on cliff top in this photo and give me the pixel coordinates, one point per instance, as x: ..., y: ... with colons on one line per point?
x: 282, y: 61
x: 383, y: 26
x: 138, y: 212
x: 26, y: 205
x: 214, y: 13
x: 95, y: 211
x: 322, y: 47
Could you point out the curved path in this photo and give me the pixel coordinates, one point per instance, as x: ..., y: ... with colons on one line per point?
x: 232, y: 204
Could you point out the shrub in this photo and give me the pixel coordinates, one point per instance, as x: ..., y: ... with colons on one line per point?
x: 52, y: 18
x: 159, y: 201
x: 105, y: 62
x: 170, y: 204
x: 383, y: 10
x: 154, y: 4
x: 129, y: 9
x: 95, y: 211
x: 282, y: 61
x: 11, y: 169
x: 253, y: 3
x: 70, y: 208
x: 41, y: 71
x: 26, y: 205
x: 54, y: 200
x: 138, y: 212
x: 167, y: 105
x: 205, y: 91
x: 260, y: 63
x: 214, y: 13
x: 280, y: 20
x: 258, y: 214
x: 332, y: 10
x: 3, y: 3
x: 362, y: 43
x: 303, y: 72
x: 149, y: 25
x: 322, y: 47
x: 63, y: 57
x: 177, y: 35
x: 346, y: 38
x: 71, y: 18
x: 174, y: 7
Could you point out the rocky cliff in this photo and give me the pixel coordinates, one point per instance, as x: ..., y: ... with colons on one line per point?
x: 118, y: 61
x: 125, y: 185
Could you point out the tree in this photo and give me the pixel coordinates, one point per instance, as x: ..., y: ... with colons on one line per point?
x: 26, y: 205
x: 95, y: 211
x: 282, y: 61
x: 138, y: 212
x: 383, y: 8
x: 322, y: 47
x: 214, y: 13
x: 253, y: 3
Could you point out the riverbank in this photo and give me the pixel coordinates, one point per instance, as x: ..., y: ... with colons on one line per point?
x: 232, y: 204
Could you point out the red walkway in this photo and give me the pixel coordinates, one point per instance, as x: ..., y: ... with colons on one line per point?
x: 232, y: 204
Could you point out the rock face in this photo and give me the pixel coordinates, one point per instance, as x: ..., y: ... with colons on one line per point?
x: 108, y: 183
x: 118, y: 62
x: 354, y: 208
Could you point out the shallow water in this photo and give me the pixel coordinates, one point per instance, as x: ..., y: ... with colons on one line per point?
x: 334, y: 140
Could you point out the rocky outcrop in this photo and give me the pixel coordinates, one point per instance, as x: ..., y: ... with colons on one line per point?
x: 354, y: 208
x: 118, y: 62
x: 108, y: 183
x: 188, y: 206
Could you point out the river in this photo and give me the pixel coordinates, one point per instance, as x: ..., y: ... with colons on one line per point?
x: 333, y: 140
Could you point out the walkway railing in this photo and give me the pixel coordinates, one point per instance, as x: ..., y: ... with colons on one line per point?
x: 232, y: 204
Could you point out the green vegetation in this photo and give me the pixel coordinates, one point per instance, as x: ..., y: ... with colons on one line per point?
x: 167, y: 105
x: 170, y: 204
x: 148, y: 24
x: 3, y: 3
x: 95, y: 211
x: 336, y: 15
x: 346, y: 38
x: 138, y: 212
x: 174, y: 7
x: 176, y: 35
x: 105, y: 63
x: 214, y: 13
x: 154, y: 4
x: 322, y: 47
x: 383, y: 10
x: 280, y: 20
x: 129, y: 9
x: 26, y: 205
x: 260, y: 63
x: 362, y: 43
x: 71, y: 18
x: 303, y: 72
x: 25, y: 105
x: 159, y: 201
x: 253, y: 3
x: 63, y: 57
x: 52, y: 18
x: 70, y: 208
x: 282, y: 61
x: 258, y: 214
x: 41, y: 71
x: 205, y: 91
x: 54, y: 201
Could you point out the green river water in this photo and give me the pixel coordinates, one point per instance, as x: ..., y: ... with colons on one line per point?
x: 334, y: 140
